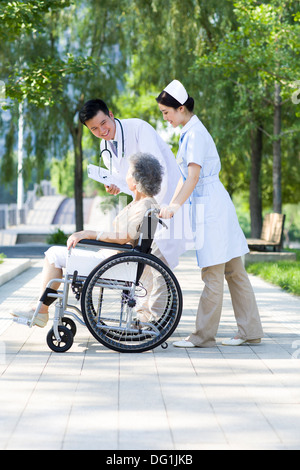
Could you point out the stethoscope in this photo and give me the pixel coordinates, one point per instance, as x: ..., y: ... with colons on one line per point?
x: 106, y: 149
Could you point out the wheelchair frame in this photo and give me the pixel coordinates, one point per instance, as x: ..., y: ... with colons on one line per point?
x: 129, y: 334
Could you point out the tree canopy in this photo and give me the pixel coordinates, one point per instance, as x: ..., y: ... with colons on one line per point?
x: 237, y: 58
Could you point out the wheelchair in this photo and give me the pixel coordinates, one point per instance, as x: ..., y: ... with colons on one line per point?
x: 130, y: 302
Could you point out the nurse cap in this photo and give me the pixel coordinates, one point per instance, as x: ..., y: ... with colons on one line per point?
x: 177, y: 90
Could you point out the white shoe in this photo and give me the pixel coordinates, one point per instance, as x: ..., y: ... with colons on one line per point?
x: 183, y: 344
x: 239, y: 341
x: 40, y: 320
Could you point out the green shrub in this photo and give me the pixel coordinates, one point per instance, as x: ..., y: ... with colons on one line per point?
x: 285, y: 274
x: 57, y: 238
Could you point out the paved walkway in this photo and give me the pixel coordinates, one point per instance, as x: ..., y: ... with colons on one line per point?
x: 173, y: 399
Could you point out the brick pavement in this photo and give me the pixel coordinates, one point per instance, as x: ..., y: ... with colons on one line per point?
x: 174, y: 399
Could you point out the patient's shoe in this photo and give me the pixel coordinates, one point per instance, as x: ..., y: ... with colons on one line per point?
x: 40, y: 320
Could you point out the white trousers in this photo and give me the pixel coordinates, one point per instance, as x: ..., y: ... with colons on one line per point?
x: 153, y: 301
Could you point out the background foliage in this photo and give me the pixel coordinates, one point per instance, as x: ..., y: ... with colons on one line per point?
x: 230, y: 55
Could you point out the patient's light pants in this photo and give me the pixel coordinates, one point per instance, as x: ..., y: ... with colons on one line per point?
x: 153, y: 294
x: 58, y: 255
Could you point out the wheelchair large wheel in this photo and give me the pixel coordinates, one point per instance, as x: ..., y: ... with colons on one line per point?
x: 131, y: 302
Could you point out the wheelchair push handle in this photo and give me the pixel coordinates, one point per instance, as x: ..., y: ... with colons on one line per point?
x: 153, y: 213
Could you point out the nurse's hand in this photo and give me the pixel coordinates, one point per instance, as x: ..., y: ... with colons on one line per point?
x: 166, y: 213
x: 112, y: 189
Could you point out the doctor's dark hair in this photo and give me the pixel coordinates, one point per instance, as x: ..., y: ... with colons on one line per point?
x: 167, y: 100
x: 91, y: 108
x: 147, y: 172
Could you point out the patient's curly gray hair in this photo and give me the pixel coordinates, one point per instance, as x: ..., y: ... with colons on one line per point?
x: 147, y: 172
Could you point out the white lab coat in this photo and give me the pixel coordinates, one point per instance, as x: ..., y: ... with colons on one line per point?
x: 218, y: 235
x: 139, y: 136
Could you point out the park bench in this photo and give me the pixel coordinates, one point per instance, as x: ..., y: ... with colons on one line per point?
x: 271, y: 234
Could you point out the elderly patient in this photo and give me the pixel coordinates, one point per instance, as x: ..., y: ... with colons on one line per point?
x: 144, y: 179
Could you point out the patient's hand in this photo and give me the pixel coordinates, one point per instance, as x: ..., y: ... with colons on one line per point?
x: 74, y: 239
x: 77, y: 236
x: 112, y: 189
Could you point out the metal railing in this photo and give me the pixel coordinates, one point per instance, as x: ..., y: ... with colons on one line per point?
x: 10, y: 215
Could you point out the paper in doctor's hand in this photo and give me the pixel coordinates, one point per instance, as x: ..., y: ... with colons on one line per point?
x: 103, y: 176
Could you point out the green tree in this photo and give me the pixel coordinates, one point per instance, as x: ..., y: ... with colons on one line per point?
x: 32, y: 70
x: 260, y: 59
x: 74, y: 56
x: 229, y: 55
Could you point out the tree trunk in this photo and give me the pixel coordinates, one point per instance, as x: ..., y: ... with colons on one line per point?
x: 76, y: 132
x: 277, y: 198
x: 255, y: 183
x: 20, y: 195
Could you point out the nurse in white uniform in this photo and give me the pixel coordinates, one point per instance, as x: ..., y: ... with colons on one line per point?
x: 220, y: 242
x: 127, y: 137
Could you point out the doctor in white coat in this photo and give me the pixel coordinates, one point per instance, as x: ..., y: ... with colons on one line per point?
x: 120, y: 140
x: 220, y: 242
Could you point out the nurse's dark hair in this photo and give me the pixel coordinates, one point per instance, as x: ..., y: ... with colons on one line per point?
x: 167, y: 100
x: 91, y: 108
x: 147, y: 172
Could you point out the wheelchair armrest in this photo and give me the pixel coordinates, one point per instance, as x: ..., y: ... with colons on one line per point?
x: 101, y: 244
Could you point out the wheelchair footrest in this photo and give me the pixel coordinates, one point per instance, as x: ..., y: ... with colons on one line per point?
x: 22, y: 320
x: 122, y: 329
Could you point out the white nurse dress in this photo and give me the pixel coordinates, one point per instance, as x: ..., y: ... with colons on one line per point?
x: 218, y: 235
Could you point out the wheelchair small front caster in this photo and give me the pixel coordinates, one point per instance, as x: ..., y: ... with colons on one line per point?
x: 66, y: 339
x: 164, y: 345
x: 70, y: 324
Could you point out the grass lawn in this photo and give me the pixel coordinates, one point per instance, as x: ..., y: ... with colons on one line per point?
x: 285, y: 274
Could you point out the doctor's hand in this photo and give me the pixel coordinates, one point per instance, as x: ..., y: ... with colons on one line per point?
x: 112, y: 189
